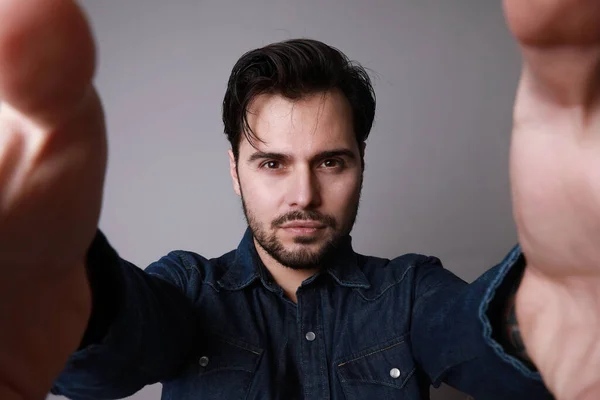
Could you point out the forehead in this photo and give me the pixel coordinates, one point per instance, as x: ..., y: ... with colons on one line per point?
x: 306, y: 126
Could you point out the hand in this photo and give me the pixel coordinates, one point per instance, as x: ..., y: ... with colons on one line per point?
x: 555, y: 176
x: 52, y: 163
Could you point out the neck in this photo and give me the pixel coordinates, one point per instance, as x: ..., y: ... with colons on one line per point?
x: 289, y: 279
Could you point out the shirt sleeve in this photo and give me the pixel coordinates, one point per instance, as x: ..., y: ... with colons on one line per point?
x: 142, y: 329
x: 452, y: 337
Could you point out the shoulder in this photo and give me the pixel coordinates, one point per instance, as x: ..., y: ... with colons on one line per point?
x: 183, y: 267
x: 383, y: 273
x: 376, y: 266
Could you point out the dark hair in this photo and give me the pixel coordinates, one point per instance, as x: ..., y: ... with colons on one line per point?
x: 295, y: 68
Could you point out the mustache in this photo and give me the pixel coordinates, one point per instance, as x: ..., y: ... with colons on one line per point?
x: 304, y: 215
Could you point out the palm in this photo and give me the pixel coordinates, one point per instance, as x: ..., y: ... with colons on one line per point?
x: 52, y: 159
x: 53, y: 150
x: 555, y: 172
x: 555, y: 175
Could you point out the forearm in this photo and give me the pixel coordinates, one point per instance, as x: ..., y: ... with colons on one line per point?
x: 143, y: 326
x: 454, y: 340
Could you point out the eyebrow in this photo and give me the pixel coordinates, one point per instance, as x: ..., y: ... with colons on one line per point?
x: 260, y: 155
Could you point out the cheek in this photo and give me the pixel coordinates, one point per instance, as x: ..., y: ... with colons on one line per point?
x: 260, y: 197
x: 341, y: 193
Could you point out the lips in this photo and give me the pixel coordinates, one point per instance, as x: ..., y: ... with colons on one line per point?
x: 303, y: 225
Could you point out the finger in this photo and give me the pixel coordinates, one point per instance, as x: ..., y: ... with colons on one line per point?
x: 47, y: 58
x: 560, y: 41
x: 543, y: 23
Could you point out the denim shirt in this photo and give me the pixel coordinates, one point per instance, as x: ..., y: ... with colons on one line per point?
x: 363, y: 328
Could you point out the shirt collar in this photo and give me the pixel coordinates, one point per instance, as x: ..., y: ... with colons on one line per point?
x: 247, y: 266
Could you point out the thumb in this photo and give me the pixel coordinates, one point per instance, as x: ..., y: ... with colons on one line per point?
x: 47, y: 58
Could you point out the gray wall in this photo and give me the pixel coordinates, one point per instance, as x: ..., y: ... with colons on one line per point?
x: 436, y: 179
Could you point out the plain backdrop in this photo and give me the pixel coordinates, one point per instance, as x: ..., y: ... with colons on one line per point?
x: 436, y: 179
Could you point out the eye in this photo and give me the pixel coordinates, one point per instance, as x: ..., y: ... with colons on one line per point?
x: 271, y: 164
x: 332, y: 163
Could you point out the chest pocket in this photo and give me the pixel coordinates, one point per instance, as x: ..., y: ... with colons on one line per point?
x: 385, y: 371
x: 223, y: 369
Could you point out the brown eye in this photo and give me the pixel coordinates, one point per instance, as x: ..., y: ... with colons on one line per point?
x: 271, y: 165
x: 332, y: 163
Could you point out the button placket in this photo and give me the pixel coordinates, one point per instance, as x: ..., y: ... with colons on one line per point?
x: 313, y: 354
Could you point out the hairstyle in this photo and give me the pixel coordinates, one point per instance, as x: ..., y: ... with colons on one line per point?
x: 294, y: 69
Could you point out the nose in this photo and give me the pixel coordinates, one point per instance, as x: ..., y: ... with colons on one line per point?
x: 304, y: 189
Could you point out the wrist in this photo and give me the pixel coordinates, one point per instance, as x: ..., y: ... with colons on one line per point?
x: 512, y: 334
x: 514, y: 344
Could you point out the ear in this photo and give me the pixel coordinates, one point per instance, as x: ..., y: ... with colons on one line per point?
x: 234, y: 175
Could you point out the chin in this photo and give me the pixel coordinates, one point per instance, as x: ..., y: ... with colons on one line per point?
x: 304, y: 246
x: 301, y: 245
x: 306, y: 242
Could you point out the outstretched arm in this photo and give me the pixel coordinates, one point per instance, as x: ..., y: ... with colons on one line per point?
x: 52, y: 161
x: 555, y: 176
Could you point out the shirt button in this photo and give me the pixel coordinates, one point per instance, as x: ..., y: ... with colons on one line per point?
x: 395, y: 373
x: 310, y: 336
x: 203, y: 361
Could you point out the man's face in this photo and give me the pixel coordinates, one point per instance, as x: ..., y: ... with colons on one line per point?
x: 300, y: 186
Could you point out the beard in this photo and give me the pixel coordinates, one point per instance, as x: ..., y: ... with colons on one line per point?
x: 302, y: 258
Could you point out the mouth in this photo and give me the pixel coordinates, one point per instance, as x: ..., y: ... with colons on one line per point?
x: 303, y: 227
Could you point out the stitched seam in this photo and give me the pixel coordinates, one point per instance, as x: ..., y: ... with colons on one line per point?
x: 185, y: 260
x: 410, y: 374
x: 387, y: 288
x: 371, y: 353
x: 239, y: 346
x: 241, y: 285
x: 224, y: 369
x: 354, y: 284
x: 321, y: 343
x: 211, y: 285
x: 166, y: 279
x: 356, y: 381
x: 398, y: 386
x: 508, y: 263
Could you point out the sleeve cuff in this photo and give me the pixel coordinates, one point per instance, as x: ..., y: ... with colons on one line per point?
x: 106, y: 285
x: 491, y: 310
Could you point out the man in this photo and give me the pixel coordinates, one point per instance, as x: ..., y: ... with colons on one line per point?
x: 293, y: 312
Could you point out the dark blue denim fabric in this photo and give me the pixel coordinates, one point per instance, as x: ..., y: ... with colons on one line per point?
x: 364, y: 328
